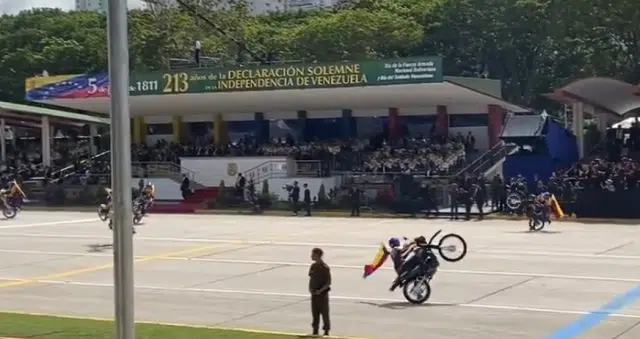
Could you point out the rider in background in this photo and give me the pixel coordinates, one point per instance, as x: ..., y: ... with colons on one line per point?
x: 107, y: 207
x: 12, y: 192
x: 544, y: 201
x: 148, y: 196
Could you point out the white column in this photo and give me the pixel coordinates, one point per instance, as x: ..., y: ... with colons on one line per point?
x: 46, y: 141
x: 602, y: 122
x: 93, y: 133
x: 3, y: 142
x: 578, y: 126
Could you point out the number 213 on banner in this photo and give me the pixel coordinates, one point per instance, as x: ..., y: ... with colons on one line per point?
x: 176, y: 82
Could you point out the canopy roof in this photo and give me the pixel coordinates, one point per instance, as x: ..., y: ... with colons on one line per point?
x: 33, y: 114
x: 611, y: 95
x: 449, y: 92
x: 523, y: 126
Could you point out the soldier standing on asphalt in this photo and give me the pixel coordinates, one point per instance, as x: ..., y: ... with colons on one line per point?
x: 453, y: 193
x: 319, y: 287
x: 307, y: 199
x: 354, y: 193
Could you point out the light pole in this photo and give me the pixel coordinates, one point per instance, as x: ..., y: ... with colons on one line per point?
x: 121, y: 168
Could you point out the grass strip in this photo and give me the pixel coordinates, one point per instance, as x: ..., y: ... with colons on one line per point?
x: 21, y: 326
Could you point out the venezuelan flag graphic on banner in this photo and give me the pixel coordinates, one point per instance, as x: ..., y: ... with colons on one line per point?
x: 70, y: 86
x: 378, y: 261
x: 555, y: 206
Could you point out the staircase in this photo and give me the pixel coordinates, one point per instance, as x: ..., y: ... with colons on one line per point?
x: 486, y: 161
x: 202, y: 195
x: 167, y: 170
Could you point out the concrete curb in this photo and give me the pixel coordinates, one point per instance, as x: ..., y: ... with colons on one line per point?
x: 494, y: 216
x: 342, y: 214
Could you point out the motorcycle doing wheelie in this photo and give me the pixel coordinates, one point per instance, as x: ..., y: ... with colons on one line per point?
x: 105, y: 213
x: 538, y: 214
x: 415, y: 280
x: 9, y: 210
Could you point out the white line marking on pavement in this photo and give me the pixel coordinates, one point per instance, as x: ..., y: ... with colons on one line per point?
x: 307, y: 244
x: 334, y: 297
x: 333, y: 265
x: 51, y: 223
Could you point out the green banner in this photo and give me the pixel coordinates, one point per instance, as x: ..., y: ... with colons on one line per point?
x: 290, y: 76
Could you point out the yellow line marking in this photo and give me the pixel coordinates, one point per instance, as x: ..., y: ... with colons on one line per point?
x: 291, y: 334
x: 92, y: 269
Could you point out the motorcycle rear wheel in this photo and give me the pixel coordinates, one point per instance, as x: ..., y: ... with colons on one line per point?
x: 9, y: 212
x: 419, y: 283
x: 101, y: 214
x: 536, y: 224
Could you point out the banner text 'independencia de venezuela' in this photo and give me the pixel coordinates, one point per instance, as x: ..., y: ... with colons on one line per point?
x: 294, y: 76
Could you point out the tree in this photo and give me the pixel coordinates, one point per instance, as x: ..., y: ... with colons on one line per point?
x: 355, y: 35
x: 532, y: 46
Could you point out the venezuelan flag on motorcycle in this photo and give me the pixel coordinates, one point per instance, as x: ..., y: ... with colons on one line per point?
x: 378, y: 261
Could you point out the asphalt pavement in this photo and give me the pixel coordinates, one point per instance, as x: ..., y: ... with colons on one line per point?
x: 572, y: 280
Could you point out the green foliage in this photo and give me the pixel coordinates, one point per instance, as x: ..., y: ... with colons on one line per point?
x: 533, y: 46
x: 265, y: 188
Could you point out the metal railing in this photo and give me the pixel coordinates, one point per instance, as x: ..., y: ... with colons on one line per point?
x: 311, y: 168
x: 70, y: 170
x: 160, y: 168
x: 139, y: 170
x: 273, y: 169
x: 485, y: 161
x: 215, y: 62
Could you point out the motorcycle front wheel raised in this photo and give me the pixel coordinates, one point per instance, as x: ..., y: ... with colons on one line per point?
x: 417, y: 291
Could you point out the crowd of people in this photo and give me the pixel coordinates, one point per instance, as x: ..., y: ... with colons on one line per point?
x: 375, y: 155
x: 417, y: 156
x: 24, y: 158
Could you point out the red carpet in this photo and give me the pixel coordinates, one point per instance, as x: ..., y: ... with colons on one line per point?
x: 192, y: 203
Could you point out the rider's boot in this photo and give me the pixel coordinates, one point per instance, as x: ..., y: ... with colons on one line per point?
x: 397, y: 282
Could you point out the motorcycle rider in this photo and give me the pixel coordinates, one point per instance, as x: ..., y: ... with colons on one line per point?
x: 105, y: 208
x: 148, y: 196
x: 415, y: 259
x: 13, y: 191
x: 399, y: 248
x: 544, y: 201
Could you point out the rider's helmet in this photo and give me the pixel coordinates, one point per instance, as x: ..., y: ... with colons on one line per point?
x: 394, y: 242
x: 421, y: 240
x: 149, y: 184
x: 546, y: 195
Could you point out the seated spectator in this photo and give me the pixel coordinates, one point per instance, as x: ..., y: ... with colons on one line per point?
x: 418, y: 155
